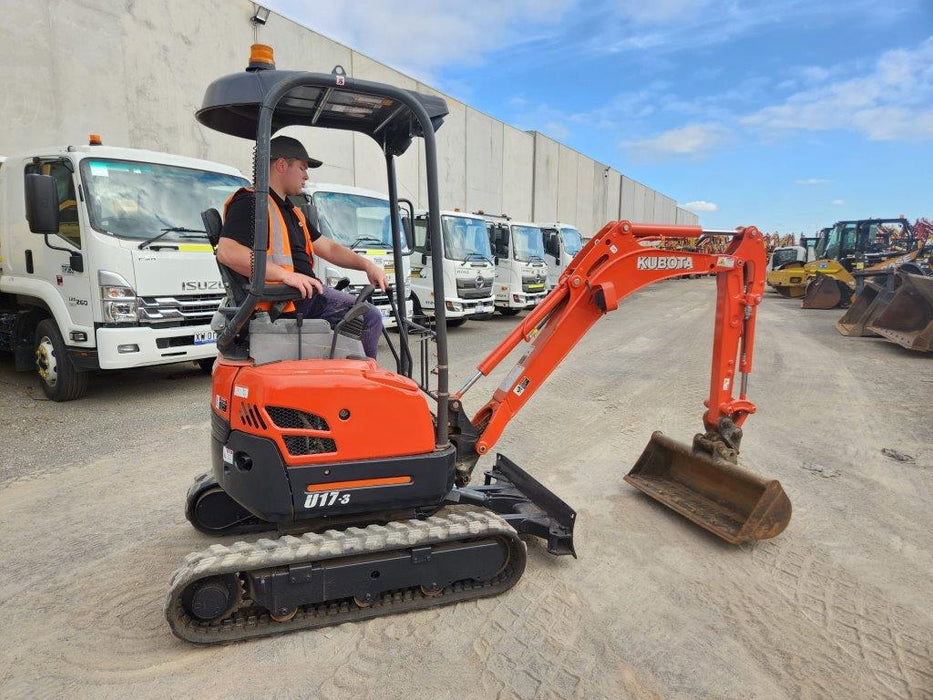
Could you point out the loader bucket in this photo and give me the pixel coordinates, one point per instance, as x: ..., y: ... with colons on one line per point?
x: 826, y: 292
x: 908, y: 318
x: 868, y: 305
x: 732, y: 503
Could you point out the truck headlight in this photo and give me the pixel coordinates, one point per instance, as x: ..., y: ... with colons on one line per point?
x: 451, y: 306
x: 117, y: 298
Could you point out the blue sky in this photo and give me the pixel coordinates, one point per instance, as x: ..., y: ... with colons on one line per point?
x: 788, y: 114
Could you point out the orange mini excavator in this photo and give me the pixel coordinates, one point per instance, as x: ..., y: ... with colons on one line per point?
x: 363, y: 474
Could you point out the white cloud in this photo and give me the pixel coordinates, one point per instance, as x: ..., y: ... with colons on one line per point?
x: 421, y: 36
x: 656, y: 11
x: 894, y: 101
x: 813, y: 181
x: 700, y: 206
x: 838, y: 202
x: 690, y: 140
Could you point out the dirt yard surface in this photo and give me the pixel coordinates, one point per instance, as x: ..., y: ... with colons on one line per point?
x: 92, y: 525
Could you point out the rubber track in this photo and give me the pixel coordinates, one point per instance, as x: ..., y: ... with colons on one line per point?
x: 206, y: 482
x: 449, y: 525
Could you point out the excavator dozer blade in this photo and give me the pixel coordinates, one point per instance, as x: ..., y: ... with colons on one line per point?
x: 868, y: 305
x: 826, y: 292
x: 732, y: 503
x: 908, y: 318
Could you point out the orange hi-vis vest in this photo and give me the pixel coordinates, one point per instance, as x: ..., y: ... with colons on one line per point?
x: 279, y: 250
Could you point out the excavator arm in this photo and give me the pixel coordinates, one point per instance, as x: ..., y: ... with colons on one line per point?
x: 616, y: 262
x: 704, y: 482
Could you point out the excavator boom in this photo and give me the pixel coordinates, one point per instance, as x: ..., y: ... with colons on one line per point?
x: 702, y: 482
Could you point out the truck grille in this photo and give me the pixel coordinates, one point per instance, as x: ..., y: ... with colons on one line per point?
x: 189, y: 310
x: 467, y: 289
x: 533, y: 285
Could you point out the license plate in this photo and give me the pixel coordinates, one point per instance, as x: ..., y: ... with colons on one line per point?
x: 205, y: 337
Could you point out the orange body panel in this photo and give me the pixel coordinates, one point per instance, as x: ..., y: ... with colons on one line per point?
x: 369, y: 412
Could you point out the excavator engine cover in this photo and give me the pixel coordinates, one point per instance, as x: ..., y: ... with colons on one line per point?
x: 732, y: 503
x: 868, y: 305
x: 908, y: 318
x: 826, y: 292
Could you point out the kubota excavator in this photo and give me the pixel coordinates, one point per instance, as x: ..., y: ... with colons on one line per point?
x: 366, y: 471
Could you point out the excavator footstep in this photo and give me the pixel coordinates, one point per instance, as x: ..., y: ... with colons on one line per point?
x: 732, y: 503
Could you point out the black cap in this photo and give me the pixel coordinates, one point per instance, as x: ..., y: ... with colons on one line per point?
x: 287, y: 147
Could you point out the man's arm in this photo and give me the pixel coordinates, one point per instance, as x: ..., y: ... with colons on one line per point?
x: 342, y: 256
x: 237, y: 257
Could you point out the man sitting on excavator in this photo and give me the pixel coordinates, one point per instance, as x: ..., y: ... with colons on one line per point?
x: 293, y: 244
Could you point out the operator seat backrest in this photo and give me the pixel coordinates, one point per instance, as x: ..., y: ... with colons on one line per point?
x: 237, y: 285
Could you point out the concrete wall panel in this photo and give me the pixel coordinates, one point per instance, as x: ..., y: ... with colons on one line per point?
x: 484, y: 165
x: 613, y: 198
x: 568, y: 164
x: 546, y: 180
x: 518, y: 150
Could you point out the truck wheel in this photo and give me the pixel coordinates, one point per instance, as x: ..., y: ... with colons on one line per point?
x: 60, y: 379
x: 206, y: 364
x: 505, y: 311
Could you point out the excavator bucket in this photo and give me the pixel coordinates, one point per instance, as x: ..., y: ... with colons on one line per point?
x: 868, y: 305
x: 732, y: 503
x: 908, y: 318
x: 826, y: 292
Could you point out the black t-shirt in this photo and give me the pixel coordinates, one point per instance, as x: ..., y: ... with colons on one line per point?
x: 239, y: 225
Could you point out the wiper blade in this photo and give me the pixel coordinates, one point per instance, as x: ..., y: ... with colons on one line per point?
x: 364, y: 239
x: 172, y: 229
x: 476, y: 255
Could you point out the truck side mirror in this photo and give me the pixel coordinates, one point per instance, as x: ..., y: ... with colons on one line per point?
x: 42, y: 203
x: 76, y: 262
x: 424, y: 258
x: 495, y: 259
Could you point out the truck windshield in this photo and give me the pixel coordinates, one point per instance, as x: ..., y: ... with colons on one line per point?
x: 137, y: 200
x: 527, y: 243
x: 465, y: 238
x: 356, y: 220
x: 573, y: 241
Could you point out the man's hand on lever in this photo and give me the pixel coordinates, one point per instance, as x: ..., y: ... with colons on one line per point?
x: 307, y: 285
x: 377, y: 276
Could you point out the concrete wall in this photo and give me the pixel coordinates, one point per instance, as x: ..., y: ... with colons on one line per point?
x: 135, y: 72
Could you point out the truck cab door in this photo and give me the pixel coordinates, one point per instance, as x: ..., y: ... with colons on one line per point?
x: 554, y: 255
x: 53, y: 266
x: 422, y: 276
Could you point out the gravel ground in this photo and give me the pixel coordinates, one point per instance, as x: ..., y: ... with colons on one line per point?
x: 92, y: 525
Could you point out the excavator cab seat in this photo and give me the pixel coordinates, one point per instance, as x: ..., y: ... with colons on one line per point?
x: 273, y: 338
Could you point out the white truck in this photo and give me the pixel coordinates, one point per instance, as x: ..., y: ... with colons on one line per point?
x: 359, y: 219
x: 104, y: 263
x: 561, y: 243
x: 468, y: 268
x: 521, y: 270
